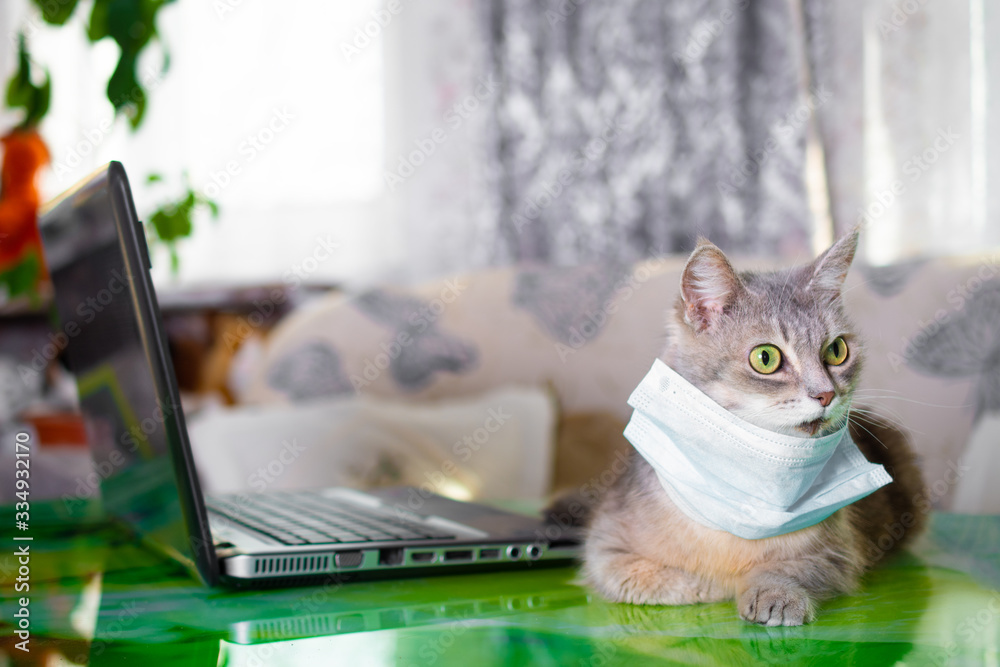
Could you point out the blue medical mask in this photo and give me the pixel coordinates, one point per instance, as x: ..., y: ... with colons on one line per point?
x: 728, y: 474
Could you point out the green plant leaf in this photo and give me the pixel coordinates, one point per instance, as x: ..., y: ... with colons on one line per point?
x: 22, y: 93
x: 175, y: 220
x: 56, y: 12
x: 20, y: 278
x: 41, y: 100
x: 172, y: 222
x: 154, y: 178
x: 97, y: 27
x: 19, y: 88
x: 125, y: 91
x: 213, y: 208
x: 132, y: 25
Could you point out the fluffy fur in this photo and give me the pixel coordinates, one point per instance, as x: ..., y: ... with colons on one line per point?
x: 641, y: 549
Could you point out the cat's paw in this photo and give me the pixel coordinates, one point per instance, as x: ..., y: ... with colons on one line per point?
x: 637, y: 580
x: 776, y: 604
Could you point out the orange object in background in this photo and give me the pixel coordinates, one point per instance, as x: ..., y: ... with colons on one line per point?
x: 24, y: 156
x: 66, y: 429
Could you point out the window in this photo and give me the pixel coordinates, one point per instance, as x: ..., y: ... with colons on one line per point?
x: 265, y: 109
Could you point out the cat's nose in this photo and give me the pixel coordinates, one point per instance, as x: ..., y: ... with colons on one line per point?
x: 824, y: 398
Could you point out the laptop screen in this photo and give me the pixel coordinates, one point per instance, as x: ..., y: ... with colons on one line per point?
x: 107, y: 319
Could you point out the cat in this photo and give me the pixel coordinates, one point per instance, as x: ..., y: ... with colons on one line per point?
x: 640, y: 548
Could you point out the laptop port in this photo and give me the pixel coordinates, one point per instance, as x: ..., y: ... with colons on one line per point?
x: 463, y: 554
x: 489, y: 554
x: 348, y: 559
x: 513, y: 552
x: 390, y: 557
x: 534, y: 551
x: 423, y: 557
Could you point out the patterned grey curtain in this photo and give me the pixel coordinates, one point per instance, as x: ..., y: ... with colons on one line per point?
x: 625, y: 128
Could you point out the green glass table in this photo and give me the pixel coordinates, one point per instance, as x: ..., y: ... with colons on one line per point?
x: 97, y: 597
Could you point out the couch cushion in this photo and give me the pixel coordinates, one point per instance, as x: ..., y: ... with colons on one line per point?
x: 591, y: 332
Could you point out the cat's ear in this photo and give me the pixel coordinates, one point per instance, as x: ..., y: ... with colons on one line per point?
x: 826, y: 274
x: 709, y: 286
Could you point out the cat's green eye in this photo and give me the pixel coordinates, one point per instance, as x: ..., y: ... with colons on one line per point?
x: 836, y: 352
x: 765, y: 359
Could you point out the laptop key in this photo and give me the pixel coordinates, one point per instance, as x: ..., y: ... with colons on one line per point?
x: 316, y: 538
x: 308, y: 518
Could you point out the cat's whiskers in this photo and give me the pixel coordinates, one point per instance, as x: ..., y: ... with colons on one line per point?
x: 869, y: 395
x: 912, y: 400
x: 881, y: 414
x: 898, y: 423
x: 863, y: 428
x: 891, y: 411
x: 870, y: 389
x: 885, y: 413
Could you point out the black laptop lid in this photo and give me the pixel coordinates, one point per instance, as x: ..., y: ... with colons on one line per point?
x: 107, y: 317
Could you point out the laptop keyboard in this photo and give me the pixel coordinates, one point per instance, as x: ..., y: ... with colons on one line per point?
x: 309, y: 518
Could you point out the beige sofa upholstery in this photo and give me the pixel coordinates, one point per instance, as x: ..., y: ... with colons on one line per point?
x: 932, y: 331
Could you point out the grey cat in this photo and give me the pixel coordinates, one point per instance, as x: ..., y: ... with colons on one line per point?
x: 642, y: 549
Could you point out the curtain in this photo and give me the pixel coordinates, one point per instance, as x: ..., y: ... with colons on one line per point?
x: 912, y: 133
x: 627, y: 128
x: 912, y: 154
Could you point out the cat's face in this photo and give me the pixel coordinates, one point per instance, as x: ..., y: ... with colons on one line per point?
x: 773, y: 348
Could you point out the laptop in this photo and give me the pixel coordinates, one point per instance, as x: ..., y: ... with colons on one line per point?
x: 108, y: 321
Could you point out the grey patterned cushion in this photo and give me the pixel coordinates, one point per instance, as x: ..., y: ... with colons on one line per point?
x: 591, y: 332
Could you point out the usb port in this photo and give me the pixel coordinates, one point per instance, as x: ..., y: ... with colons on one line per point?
x: 464, y: 554
x: 423, y: 557
x: 489, y: 554
x: 390, y: 556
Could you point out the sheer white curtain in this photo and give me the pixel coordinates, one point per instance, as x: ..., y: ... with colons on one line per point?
x: 267, y: 109
x: 912, y: 135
